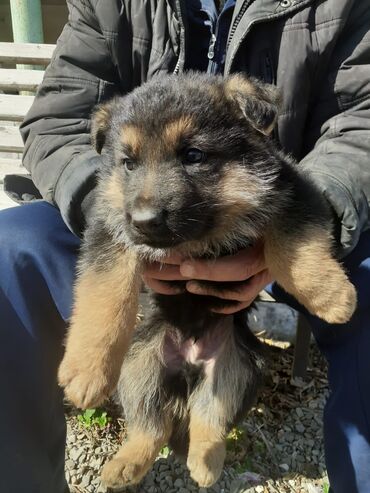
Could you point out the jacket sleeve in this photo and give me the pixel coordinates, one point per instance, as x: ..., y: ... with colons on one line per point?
x: 340, y: 124
x: 56, y: 130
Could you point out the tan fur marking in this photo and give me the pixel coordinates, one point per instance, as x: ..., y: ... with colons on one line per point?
x: 238, y: 84
x: 207, y: 451
x: 134, y: 458
x: 240, y: 193
x: 113, y: 191
x: 102, y: 323
x: 148, y: 186
x: 100, y: 124
x: 132, y: 138
x: 304, y: 266
x: 174, y: 131
x: 102, y: 116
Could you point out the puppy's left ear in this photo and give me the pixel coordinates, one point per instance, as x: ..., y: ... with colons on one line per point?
x: 100, y: 124
x: 258, y: 102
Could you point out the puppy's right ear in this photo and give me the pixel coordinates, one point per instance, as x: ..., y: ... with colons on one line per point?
x: 100, y: 124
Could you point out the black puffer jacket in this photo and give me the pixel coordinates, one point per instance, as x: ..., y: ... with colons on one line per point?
x: 318, y: 52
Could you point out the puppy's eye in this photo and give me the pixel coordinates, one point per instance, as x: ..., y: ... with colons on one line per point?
x: 194, y: 156
x: 129, y: 164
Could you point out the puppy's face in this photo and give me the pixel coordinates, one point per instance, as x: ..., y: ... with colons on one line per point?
x: 188, y: 163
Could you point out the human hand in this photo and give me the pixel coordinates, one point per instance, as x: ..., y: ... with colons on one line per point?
x: 246, y: 269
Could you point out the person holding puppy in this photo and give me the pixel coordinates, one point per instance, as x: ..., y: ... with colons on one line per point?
x: 319, y: 54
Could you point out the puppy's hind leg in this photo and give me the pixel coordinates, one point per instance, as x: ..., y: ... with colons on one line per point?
x: 103, y: 319
x: 147, y: 415
x: 135, y: 457
x: 228, y: 389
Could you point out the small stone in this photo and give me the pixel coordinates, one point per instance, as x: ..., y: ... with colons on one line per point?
x: 75, y: 454
x: 178, y: 483
x: 299, y: 412
x: 284, y: 467
x: 169, y: 480
x: 299, y: 427
x: 86, y: 480
x: 259, y: 489
x: 70, y: 464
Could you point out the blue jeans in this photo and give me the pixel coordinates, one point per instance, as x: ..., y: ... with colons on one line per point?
x: 37, y: 265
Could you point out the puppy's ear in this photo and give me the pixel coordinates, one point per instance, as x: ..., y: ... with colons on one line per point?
x: 100, y: 124
x: 258, y: 102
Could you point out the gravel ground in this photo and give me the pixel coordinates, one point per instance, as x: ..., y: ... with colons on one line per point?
x: 277, y: 449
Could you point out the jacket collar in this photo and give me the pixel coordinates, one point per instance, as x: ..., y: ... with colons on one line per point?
x: 250, y: 12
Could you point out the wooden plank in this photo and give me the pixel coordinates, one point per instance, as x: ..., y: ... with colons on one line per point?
x: 14, y: 108
x: 11, y: 166
x: 26, y: 53
x: 5, y: 201
x: 10, y: 139
x: 20, y: 80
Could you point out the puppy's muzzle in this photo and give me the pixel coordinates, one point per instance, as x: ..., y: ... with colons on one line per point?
x: 149, y: 227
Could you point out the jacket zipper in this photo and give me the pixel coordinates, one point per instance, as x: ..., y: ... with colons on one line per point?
x: 176, y: 70
x: 211, y: 48
x: 244, y: 7
x: 246, y: 4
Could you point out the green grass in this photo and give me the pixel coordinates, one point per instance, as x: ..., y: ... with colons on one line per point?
x: 325, y: 488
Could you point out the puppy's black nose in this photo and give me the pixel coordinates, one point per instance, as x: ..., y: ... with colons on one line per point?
x: 149, y: 221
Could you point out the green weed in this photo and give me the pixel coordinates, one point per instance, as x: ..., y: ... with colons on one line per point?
x: 94, y: 418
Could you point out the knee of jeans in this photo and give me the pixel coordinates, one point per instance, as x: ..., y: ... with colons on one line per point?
x: 25, y: 230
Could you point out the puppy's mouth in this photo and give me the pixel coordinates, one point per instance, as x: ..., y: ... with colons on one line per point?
x: 159, y: 242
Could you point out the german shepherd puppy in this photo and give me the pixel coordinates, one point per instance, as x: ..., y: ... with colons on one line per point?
x: 189, y: 167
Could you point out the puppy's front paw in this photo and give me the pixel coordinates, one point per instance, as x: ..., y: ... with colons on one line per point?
x: 86, y: 386
x: 335, y: 306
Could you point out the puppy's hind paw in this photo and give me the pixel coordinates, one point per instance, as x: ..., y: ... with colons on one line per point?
x: 119, y: 473
x: 205, y: 463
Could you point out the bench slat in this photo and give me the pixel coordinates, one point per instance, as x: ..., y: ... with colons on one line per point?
x: 10, y: 139
x: 19, y: 79
x: 11, y: 166
x: 14, y: 108
x: 26, y: 53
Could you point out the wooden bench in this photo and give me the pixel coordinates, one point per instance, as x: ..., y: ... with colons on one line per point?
x: 13, y: 108
x: 13, y: 103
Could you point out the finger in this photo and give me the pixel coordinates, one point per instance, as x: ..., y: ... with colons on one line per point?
x: 163, y: 272
x: 238, y: 267
x: 162, y: 287
x: 229, y: 310
x: 243, y: 292
x: 174, y: 258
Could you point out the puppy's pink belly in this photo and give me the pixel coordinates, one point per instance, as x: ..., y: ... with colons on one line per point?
x: 202, y: 352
